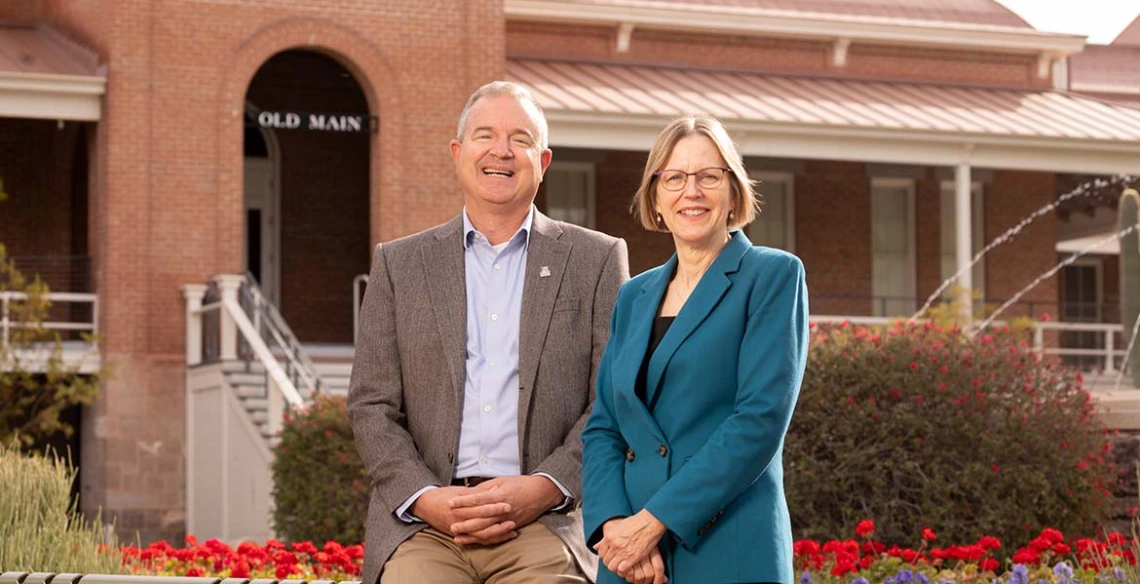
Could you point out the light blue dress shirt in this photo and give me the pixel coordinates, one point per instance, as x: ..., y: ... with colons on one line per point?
x: 488, y: 434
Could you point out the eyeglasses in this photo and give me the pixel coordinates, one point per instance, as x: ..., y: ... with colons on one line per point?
x: 707, y: 178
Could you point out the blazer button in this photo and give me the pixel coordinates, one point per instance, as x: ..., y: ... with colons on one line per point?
x: 662, y: 450
x: 629, y: 454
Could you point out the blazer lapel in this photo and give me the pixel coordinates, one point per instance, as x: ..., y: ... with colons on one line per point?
x: 447, y: 286
x: 627, y: 363
x: 712, y: 287
x: 546, y: 258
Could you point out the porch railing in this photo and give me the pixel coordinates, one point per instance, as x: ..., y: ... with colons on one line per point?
x: 87, y: 304
x: 1104, y: 351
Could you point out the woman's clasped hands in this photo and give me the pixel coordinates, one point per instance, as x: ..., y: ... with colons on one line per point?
x: 629, y: 548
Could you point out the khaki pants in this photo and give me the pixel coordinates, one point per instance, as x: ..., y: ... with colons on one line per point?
x: 536, y: 555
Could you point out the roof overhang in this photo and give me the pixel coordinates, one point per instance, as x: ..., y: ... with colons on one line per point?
x: 51, y: 96
x: 786, y: 23
x: 821, y: 142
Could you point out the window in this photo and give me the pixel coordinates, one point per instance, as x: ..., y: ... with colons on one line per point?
x: 776, y: 226
x: 1081, y: 301
x: 569, y: 188
x: 949, y: 229
x: 892, y: 246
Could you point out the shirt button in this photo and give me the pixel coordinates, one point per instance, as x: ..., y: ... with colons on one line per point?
x: 486, y: 408
x: 491, y: 364
x: 662, y: 450
x: 494, y: 317
x: 498, y: 267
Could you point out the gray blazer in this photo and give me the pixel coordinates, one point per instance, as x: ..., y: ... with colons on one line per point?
x: 405, y: 399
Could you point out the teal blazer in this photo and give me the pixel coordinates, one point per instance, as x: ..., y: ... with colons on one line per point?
x: 707, y: 460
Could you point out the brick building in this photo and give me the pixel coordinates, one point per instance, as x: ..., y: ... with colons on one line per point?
x: 148, y: 145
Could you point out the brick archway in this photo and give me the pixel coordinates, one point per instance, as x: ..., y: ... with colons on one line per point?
x: 358, y: 55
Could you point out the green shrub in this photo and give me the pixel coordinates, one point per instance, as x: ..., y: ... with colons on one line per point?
x: 920, y: 426
x: 320, y: 487
x: 39, y: 527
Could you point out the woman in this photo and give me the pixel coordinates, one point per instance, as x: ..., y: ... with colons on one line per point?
x: 682, y: 470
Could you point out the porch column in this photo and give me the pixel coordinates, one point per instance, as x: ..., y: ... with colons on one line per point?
x: 962, y: 239
x: 193, y: 294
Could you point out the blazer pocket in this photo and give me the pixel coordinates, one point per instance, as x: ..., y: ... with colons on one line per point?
x: 566, y: 304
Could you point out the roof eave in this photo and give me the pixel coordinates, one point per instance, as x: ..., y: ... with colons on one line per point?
x: 51, y: 96
x: 782, y: 23
x: 892, y: 145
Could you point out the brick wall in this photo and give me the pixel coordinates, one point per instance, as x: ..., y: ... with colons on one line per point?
x: 833, y: 235
x: 1012, y: 196
x: 166, y: 200
x: 42, y: 222
x: 771, y: 55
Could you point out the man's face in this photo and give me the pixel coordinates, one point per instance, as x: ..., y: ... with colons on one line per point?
x: 500, y: 161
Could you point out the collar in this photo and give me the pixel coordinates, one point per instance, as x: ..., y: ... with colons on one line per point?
x: 469, y: 229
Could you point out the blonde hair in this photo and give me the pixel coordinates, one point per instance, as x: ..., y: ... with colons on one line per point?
x: 745, y: 200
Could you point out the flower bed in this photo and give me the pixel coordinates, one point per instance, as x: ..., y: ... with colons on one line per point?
x: 1047, y: 559
x: 299, y: 561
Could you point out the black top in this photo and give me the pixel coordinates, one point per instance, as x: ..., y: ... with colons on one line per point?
x: 661, y: 325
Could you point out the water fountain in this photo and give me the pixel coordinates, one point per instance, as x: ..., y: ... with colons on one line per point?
x: 1082, y: 190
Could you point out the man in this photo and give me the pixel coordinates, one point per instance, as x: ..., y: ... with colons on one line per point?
x: 475, y: 368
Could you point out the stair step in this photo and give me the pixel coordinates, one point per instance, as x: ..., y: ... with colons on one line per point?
x: 249, y: 391
x: 246, y: 378
x: 255, y: 404
x: 259, y: 417
x: 253, y: 366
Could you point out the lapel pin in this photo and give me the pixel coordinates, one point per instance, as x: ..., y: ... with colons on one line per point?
x: 544, y: 272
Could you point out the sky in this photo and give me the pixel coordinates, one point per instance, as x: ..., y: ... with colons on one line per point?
x: 1100, y: 20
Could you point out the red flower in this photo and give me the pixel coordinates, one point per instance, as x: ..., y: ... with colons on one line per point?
x: 191, y: 541
x: 1061, y: 549
x: 865, y: 562
x: 873, y: 548
x: 805, y: 547
x: 989, y: 543
x: 843, y: 567
x: 284, y: 571
x: 240, y: 569
x: 1026, y: 556
x: 284, y: 558
x: 194, y: 573
x: 863, y: 529
x: 305, y: 547
x: 1052, y: 535
x: 928, y: 534
x: 989, y: 565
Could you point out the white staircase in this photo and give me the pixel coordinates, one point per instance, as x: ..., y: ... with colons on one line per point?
x: 245, y: 369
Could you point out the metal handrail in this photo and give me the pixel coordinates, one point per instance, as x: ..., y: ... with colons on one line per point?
x: 260, y: 349
x: 264, y: 312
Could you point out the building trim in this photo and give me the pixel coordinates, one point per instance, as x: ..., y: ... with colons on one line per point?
x: 788, y: 23
x: 829, y: 142
x: 52, y: 96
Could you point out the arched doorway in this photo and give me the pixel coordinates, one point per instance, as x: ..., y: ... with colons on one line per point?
x: 306, y: 190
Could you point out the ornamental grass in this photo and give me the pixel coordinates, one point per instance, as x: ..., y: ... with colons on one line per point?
x: 39, y: 527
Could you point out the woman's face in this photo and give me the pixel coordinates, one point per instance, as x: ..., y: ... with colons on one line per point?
x: 696, y: 215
